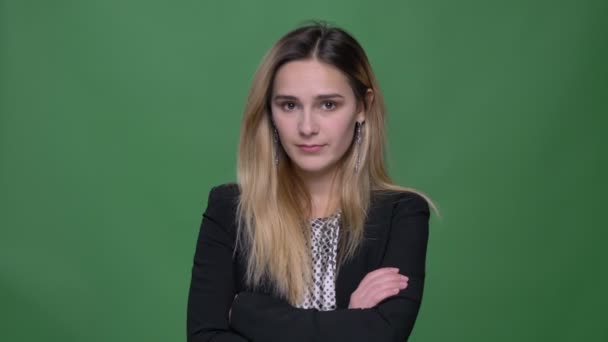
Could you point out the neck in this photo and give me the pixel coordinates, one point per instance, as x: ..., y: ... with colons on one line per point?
x: 323, y: 192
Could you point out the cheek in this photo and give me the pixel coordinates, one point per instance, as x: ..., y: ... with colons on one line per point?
x: 286, y: 131
x: 276, y: 120
x: 343, y: 134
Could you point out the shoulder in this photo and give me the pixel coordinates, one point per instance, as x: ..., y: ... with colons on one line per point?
x: 397, y: 225
x: 224, y: 191
x: 406, y: 220
x: 222, y: 202
x: 409, y: 202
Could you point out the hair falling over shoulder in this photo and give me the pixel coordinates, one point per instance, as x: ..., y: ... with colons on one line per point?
x: 272, y: 211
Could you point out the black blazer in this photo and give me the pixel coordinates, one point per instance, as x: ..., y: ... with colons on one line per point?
x: 396, y: 235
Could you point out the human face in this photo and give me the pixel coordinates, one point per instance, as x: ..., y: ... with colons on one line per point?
x: 314, y: 110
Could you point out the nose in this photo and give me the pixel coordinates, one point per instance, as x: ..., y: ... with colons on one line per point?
x: 307, y: 125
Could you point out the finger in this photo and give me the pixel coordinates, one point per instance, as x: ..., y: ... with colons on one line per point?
x: 393, y: 281
x: 397, y: 285
x: 385, y: 291
x: 379, y: 273
x: 374, y: 298
x: 372, y: 286
x: 383, y: 279
x: 372, y: 278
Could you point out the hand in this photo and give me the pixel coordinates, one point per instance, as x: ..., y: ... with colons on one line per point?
x: 376, y: 286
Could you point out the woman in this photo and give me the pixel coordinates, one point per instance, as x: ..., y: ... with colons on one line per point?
x: 314, y: 242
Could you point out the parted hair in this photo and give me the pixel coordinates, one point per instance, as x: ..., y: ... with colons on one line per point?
x: 274, y: 206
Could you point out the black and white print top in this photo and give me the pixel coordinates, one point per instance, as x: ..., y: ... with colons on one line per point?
x: 324, y: 247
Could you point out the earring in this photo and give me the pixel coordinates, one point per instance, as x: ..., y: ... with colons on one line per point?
x: 358, y: 138
x: 275, y: 142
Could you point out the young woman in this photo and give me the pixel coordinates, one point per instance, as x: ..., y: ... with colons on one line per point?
x: 313, y: 242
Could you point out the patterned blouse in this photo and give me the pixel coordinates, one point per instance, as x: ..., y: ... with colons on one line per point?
x: 324, y: 246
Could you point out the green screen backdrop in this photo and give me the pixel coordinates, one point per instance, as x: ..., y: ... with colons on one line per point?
x: 118, y: 116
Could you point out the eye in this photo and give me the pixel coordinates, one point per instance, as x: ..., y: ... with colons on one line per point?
x: 288, y: 106
x: 329, y: 105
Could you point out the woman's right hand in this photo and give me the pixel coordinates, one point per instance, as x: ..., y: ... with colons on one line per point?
x: 376, y: 286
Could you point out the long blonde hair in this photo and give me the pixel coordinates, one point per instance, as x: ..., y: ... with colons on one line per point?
x: 274, y: 205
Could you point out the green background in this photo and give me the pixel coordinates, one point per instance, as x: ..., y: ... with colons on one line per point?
x: 116, y: 118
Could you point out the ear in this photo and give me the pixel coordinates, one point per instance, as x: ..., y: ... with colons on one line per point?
x: 369, y: 99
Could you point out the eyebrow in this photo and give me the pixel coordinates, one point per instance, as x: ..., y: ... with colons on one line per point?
x: 318, y: 97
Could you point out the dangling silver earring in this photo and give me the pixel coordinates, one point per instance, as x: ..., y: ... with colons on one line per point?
x: 358, y: 139
x: 275, y: 143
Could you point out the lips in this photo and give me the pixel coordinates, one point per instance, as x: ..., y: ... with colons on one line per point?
x: 310, y: 148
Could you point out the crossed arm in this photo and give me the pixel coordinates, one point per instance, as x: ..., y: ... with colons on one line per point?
x: 260, y: 317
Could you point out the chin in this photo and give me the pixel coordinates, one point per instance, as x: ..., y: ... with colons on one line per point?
x: 312, y: 167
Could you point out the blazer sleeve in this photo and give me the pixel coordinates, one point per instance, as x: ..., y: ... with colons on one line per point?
x: 212, y: 288
x: 262, y: 317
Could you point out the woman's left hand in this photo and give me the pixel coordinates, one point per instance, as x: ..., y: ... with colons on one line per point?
x: 376, y: 286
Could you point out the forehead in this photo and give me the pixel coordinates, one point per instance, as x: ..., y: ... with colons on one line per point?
x: 310, y: 77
